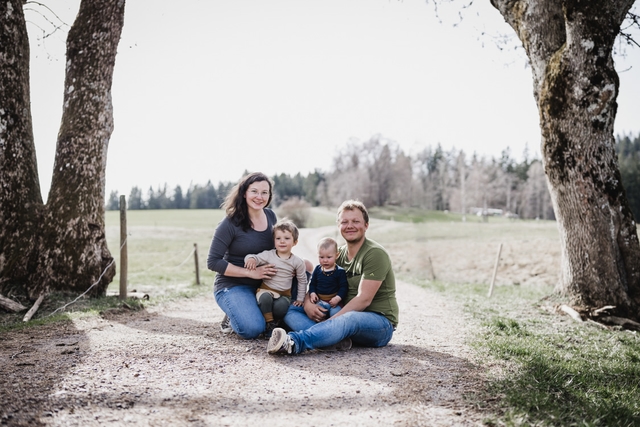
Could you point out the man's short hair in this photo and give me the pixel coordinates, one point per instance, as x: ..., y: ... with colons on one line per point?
x: 286, y: 224
x: 351, y: 205
x: 327, y: 243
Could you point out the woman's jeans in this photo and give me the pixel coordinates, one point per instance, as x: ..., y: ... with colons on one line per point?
x: 363, y: 327
x: 239, y: 303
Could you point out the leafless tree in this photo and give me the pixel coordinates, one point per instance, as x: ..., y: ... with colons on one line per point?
x: 348, y: 180
x: 402, y: 191
x: 533, y: 193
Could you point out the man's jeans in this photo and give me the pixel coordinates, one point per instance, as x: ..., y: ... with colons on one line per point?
x: 364, y: 328
x: 239, y: 303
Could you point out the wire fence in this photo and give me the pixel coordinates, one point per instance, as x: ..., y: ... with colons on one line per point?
x: 90, y: 287
x: 164, y: 264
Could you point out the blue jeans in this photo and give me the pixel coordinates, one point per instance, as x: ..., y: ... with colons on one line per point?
x: 240, y: 304
x: 365, y: 328
x: 330, y: 310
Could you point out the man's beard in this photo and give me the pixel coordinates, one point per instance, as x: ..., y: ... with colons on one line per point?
x: 354, y: 240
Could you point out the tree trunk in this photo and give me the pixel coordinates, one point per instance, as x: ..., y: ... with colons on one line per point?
x: 569, y: 44
x: 64, y: 246
x: 20, y: 197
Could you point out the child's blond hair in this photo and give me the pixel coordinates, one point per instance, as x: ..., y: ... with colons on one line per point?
x: 327, y: 243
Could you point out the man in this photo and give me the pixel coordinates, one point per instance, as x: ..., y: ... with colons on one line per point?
x: 370, y: 314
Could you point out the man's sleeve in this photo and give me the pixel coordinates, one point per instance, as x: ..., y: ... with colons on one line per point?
x: 375, y: 265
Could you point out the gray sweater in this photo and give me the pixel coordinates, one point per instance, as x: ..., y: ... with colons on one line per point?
x: 231, y: 244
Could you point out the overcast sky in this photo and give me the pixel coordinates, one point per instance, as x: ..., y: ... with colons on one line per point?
x: 206, y: 89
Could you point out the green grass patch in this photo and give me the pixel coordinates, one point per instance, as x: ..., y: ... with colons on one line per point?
x: 322, y: 217
x: 206, y: 219
x: 161, y: 249
x: 417, y: 215
x: 552, y: 370
x: 63, y: 306
x: 420, y: 225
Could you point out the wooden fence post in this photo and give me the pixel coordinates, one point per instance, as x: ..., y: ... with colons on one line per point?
x: 195, y: 257
x: 123, y: 248
x: 433, y: 273
x: 495, y: 271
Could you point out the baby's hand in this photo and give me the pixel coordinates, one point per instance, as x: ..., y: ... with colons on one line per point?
x: 250, y: 264
x: 334, y: 301
x: 298, y: 303
x: 313, y: 297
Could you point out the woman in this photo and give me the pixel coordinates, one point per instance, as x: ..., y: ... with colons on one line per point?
x: 247, y: 229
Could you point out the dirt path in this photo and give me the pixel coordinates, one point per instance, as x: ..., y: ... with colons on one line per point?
x: 170, y: 365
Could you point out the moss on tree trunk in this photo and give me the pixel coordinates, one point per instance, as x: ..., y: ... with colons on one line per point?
x: 569, y: 45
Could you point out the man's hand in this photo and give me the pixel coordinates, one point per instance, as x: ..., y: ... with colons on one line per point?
x: 314, y: 311
x: 366, y: 291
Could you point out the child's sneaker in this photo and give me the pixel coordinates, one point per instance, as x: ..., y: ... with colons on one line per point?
x: 280, y: 342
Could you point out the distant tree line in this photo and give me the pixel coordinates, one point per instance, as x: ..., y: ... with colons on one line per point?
x: 211, y: 197
x: 628, y: 149
x: 379, y: 173
x: 195, y: 197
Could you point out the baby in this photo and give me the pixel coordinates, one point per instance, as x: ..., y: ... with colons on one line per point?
x: 328, y: 286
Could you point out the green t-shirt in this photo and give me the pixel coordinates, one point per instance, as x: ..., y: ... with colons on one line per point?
x: 372, y: 262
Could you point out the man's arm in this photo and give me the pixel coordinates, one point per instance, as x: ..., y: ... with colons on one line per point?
x: 366, y: 291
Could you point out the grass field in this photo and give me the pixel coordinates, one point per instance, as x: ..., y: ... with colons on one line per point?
x: 161, y: 259
x: 160, y: 249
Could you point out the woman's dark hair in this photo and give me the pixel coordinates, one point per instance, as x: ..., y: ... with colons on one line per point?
x: 235, y: 205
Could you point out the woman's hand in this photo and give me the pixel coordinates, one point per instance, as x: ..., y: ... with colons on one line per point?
x: 266, y: 271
